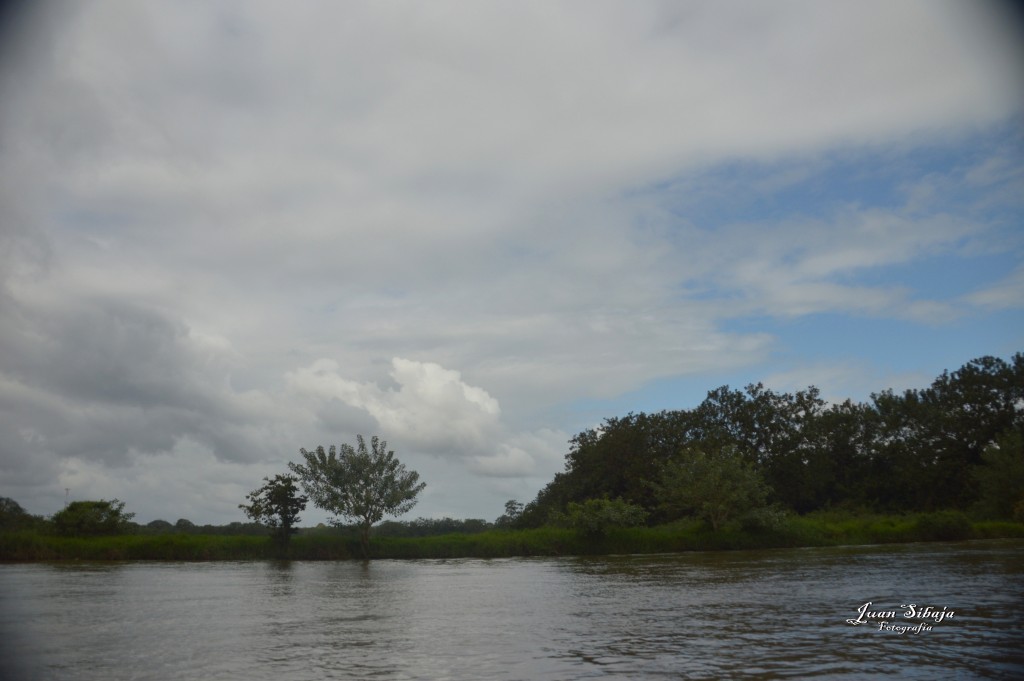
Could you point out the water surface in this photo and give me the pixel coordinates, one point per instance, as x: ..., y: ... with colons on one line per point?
x: 752, y: 614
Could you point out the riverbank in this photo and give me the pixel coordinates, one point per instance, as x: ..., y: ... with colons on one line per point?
x: 821, y: 529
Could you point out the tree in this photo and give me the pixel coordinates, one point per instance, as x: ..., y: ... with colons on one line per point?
x: 513, y: 511
x: 14, y: 517
x: 359, y: 484
x: 715, y: 485
x: 276, y: 505
x: 92, y: 518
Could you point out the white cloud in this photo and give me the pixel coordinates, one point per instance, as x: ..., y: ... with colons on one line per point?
x: 201, y: 202
x: 1006, y: 294
x: 841, y: 380
x: 507, y: 462
x: 431, y: 408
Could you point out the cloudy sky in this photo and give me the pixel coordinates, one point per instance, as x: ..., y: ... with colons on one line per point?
x: 229, y: 230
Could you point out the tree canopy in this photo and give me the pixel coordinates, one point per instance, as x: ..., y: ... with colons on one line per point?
x: 713, y: 485
x: 947, y: 446
x: 359, y: 484
x: 92, y: 518
x: 277, y: 505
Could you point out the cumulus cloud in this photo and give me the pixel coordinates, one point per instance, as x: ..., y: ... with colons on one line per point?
x: 523, y: 455
x: 431, y: 407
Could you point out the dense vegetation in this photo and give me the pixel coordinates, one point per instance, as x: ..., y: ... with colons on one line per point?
x: 744, y: 469
x: 956, y: 445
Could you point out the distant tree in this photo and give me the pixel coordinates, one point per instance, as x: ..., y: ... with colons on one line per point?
x: 92, y: 518
x: 14, y: 517
x: 426, y: 527
x: 160, y: 526
x: 715, y: 485
x: 277, y: 505
x: 358, y: 483
x: 513, y: 511
x: 185, y: 525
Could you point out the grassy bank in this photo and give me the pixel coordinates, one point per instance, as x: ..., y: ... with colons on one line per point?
x: 821, y: 529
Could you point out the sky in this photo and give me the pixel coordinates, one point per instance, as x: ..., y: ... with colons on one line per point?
x: 231, y: 230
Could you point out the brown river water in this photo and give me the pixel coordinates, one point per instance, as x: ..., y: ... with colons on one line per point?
x: 748, y: 614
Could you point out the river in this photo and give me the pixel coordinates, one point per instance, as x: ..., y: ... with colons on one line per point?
x: 749, y: 614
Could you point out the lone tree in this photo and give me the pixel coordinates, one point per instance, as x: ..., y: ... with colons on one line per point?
x: 276, y: 505
x: 93, y: 518
x: 359, y: 484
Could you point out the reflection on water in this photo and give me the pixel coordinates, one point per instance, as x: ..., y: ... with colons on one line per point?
x: 763, y: 614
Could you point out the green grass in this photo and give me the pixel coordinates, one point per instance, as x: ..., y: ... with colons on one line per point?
x: 818, y: 529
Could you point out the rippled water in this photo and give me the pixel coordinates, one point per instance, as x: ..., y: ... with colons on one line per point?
x: 763, y: 614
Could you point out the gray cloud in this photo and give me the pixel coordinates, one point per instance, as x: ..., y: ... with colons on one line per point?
x: 220, y: 222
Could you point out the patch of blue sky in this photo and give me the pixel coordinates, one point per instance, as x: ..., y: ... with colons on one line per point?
x: 845, y: 357
x: 817, y: 185
x: 944, y: 277
x: 977, y: 178
x: 886, y: 343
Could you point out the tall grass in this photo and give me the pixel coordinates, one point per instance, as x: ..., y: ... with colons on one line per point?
x: 820, y: 529
x: 22, y: 546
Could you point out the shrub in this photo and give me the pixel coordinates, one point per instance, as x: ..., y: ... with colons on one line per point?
x: 763, y: 519
x: 943, y: 526
x: 594, y: 517
x: 92, y: 518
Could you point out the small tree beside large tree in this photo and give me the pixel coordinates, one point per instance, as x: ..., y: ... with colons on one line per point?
x: 359, y: 484
x: 277, y: 505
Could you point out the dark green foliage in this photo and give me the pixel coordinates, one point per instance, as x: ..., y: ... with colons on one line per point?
x: 929, y: 441
x: 595, y: 517
x: 159, y: 526
x: 428, y: 527
x: 715, y: 485
x: 763, y: 519
x: 820, y: 529
x: 617, y: 460
x: 277, y: 505
x: 360, y: 484
x: 920, y: 450
x: 513, y: 512
x: 1000, y: 478
x: 943, y: 526
x: 13, y: 517
x: 92, y: 518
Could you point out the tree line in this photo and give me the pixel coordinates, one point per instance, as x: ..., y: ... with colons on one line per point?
x: 751, y: 456
x: 358, y: 485
x: 956, y: 444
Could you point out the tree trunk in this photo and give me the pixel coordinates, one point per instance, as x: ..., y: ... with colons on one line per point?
x: 364, y: 540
